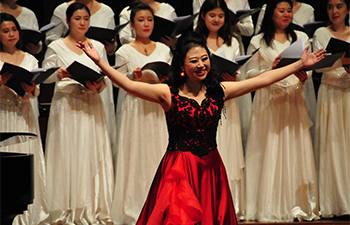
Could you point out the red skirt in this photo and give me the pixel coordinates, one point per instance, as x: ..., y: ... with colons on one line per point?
x: 188, y: 189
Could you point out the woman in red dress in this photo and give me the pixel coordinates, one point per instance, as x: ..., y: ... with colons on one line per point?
x: 190, y: 186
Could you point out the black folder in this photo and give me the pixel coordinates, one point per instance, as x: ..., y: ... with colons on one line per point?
x: 242, y: 14
x: 338, y: 46
x: 35, y: 36
x: 82, y: 73
x: 6, y: 135
x: 162, y: 69
x: 310, y: 28
x: 328, y: 61
x: 20, y: 74
x: 104, y: 34
x: 164, y: 27
x: 222, y: 65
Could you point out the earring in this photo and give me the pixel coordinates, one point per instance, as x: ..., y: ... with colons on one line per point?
x: 182, y: 73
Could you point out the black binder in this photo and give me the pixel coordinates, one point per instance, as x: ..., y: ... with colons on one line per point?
x: 222, y: 65
x: 104, y: 34
x: 242, y: 14
x: 82, y: 73
x: 310, y: 28
x: 164, y: 27
x: 162, y: 69
x: 20, y: 74
x: 35, y: 36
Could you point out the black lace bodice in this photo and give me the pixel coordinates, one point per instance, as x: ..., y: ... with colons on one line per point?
x: 192, y: 127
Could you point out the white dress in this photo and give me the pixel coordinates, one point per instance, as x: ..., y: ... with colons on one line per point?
x: 305, y: 14
x: 78, y: 153
x: 229, y: 139
x: 280, y: 168
x: 332, y: 142
x: 104, y: 17
x: 127, y: 34
x: 16, y: 115
x: 142, y: 140
x: 245, y: 26
x: 27, y: 19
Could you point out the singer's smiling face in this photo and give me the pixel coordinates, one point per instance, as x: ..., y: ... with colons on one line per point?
x: 9, y: 34
x: 337, y: 11
x: 214, y: 19
x: 282, y: 15
x: 143, y: 23
x: 197, y: 63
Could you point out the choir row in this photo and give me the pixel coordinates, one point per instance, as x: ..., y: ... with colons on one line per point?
x: 286, y: 155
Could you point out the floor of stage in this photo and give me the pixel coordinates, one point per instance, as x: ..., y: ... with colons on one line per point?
x: 342, y: 220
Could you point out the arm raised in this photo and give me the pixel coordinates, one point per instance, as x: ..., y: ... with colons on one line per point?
x: 158, y: 93
x: 236, y: 89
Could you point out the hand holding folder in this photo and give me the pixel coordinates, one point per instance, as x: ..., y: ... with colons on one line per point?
x: 294, y: 52
x: 20, y: 74
x: 84, y: 74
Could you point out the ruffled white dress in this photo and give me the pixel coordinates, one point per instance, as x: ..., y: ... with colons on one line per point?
x: 127, y: 34
x: 229, y: 138
x: 104, y: 17
x: 142, y: 140
x: 78, y: 152
x: 280, y: 168
x: 16, y: 115
x: 332, y: 142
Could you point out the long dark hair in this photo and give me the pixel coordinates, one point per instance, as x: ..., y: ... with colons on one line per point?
x: 225, y: 31
x: 267, y: 25
x: 138, y: 6
x: 186, y: 42
x: 8, y: 17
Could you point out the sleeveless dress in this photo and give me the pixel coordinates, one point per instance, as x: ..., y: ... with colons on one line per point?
x: 191, y: 184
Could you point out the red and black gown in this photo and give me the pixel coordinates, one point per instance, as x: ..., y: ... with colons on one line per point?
x: 190, y: 185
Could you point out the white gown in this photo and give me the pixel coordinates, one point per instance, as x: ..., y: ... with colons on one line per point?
x: 78, y: 153
x: 280, y: 168
x: 127, y: 34
x: 27, y: 19
x: 142, y: 140
x: 305, y: 14
x: 104, y: 17
x: 332, y: 142
x: 245, y: 26
x: 229, y: 139
x: 16, y: 115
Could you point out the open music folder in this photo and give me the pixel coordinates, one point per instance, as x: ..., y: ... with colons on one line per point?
x: 35, y: 36
x: 164, y: 27
x: 82, y: 73
x: 20, y: 74
x: 223, y: 65
x: 104, y: 34
x: 242, y: 14
x: 294, y: 52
